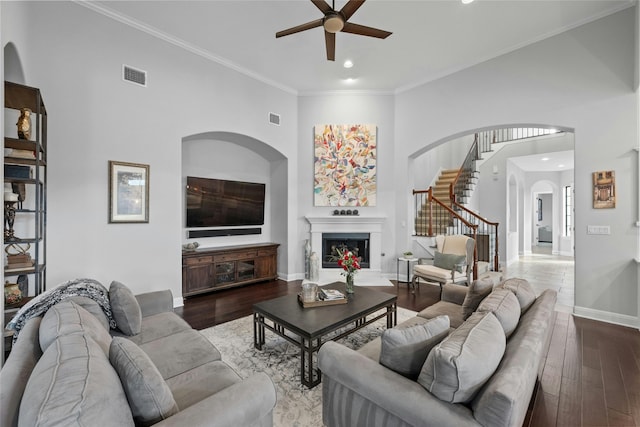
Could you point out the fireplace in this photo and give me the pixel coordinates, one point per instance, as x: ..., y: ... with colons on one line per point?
x: 357, y: 243
x: 351, y: 224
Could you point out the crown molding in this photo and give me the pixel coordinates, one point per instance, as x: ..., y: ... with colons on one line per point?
x: 515, y: 47
x: 154, y: 32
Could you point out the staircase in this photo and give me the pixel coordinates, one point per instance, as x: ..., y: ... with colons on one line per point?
x: 441, y: 208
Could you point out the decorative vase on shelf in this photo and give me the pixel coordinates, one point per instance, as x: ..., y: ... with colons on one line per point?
x: 349, y: 287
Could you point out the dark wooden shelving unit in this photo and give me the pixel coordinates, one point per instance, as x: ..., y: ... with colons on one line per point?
x: 210, y: 269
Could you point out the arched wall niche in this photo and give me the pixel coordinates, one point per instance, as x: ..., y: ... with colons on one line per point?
x: 13, y: 70
x: 234, y: 156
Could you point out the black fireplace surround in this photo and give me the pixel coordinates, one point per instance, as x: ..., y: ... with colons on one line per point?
x: 357, y: 243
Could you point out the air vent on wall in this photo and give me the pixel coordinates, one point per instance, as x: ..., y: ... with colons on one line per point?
x: 274, y: 119
x: 133, y: 75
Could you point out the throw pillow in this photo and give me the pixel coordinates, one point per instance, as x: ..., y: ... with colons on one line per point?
x: 523, y: 291
x: 504, y: 305
x: 66, y: 318
x: 149, y: 396
x: 478, y: 290
x: 448, y: 261
x: 405, y: 350
x: 459, y: 366
x: 125, y: 309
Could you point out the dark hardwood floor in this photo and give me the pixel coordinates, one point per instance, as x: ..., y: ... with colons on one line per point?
x: 211, y: 309
x: 590, y: 375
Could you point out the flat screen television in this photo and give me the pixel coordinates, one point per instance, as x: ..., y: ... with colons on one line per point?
x: 221, y: 203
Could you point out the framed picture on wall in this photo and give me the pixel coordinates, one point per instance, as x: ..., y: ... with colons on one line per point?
x: 128, y: 192
x: 604, y: 190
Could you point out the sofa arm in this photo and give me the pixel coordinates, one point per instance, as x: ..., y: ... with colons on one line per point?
x: 370, y: 389
x: 155, y: 302
x: 249, y: 402
x: 454, y: 293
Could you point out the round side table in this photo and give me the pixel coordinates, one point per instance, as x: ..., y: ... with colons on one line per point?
x: 408, y: 261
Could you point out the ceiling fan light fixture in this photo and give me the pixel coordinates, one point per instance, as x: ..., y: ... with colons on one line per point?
x: 333, y: 23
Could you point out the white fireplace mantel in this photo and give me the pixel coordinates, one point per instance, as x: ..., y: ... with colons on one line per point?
x: 350, y: 224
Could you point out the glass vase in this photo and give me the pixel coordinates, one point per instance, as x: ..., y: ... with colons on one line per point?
x: 349, y: 287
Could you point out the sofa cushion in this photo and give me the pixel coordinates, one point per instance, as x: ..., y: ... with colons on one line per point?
x: 504, y: 305
x: 478, y: 290
x: 74, y: 384
x: 373, y: 347
x: 457, y: 367
x: 522, y: 290
x: 180, y: 352
x: 157, y: 326
x: 444, y: 308
x: 149, y: 396
x: 199, y: 383
x: 67, y: 318
x: 448, y: 261
x: 125, y: 308
x: 405, y: 350
x: 92, y: 307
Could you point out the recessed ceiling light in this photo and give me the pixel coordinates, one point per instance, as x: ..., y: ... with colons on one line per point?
x: 350, y: 80
x: 348, y: 63
x: 560, y: 166
x: 467, y: 1
x: 544, y: 159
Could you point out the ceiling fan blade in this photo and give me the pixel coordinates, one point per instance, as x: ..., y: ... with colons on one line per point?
x: 322, y: 5
x: 350, y: 8
x: 365, y: 31
x: 330, y: 41
x: 303, y: 27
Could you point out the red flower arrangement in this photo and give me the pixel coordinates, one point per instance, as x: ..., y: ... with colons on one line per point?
x: 348, y: 261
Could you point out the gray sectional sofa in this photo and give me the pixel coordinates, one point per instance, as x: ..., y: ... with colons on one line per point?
x: 68, y: 367
x: 475, y: 362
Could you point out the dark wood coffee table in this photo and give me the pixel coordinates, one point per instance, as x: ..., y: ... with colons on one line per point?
x: 313, y: 325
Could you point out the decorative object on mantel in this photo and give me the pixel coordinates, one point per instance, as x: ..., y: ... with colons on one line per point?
x: 24, y: 124
x: 604, y: 190
x: 192, y: 246
x: 346, y: 212
x: 345, y: 168
x: 350, y: 264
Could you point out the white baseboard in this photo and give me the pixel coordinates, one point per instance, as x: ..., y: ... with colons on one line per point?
x: 178, y: 302
x: 606, y: 316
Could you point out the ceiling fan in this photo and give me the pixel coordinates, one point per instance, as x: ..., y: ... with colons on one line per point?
x: 334, y: 22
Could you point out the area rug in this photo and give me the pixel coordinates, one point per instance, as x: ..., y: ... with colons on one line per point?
x: 297, y: 406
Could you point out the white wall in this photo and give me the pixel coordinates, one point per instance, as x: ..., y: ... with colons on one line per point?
x: 581, y: 79
x: 75, y: 57
x: 345, y: 109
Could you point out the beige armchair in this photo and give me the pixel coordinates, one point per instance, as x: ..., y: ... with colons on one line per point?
x: 452, y: 263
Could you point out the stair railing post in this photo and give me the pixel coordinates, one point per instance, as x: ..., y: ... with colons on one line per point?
x: 429, y: 198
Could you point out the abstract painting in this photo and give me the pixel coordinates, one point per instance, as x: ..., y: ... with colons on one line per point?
x: 345, y: 165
